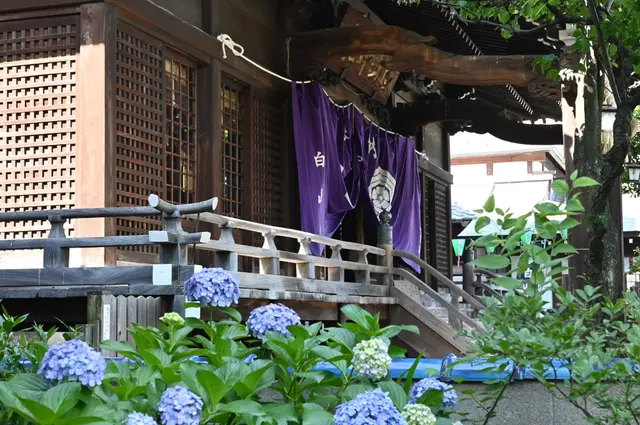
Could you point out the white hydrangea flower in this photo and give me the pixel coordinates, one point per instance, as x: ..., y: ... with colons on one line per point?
x: 419, y: 414
x: 371, y: 358
x: 457, y: 423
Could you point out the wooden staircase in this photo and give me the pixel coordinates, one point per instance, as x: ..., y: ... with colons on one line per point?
x: 439, y: 314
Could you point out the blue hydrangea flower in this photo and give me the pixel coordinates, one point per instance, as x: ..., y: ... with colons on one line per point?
x: 73, y: 361
x: 137, y: 418
x: 250, y: 358
x: 213, y: 287
x: 371, y: 358
x: 372, y: 407
x: 418, y: 414
x: 271, y: 318
x: 421, y: 387
x: 179, y: 406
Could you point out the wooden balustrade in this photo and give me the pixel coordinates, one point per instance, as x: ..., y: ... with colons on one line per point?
x: 371, y: 274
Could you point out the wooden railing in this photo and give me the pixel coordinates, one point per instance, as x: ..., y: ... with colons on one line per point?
x: 173, y: 242
x: 457, y: 318
x: 371, y: 280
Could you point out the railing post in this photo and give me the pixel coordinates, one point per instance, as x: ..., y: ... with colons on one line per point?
x: 468, y: 274
x: 363, y: 276
x: 270, y: 265
x: 305, y: 270
x: 385, y: 241
x: 336, y: 274
x: 174, y: 253
x: 56, y: 256
x: 227, y: 260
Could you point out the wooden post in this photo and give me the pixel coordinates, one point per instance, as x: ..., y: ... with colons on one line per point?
x: 95, y: 147
x: 363, y: 276
x: 468, y: 275
x: 228, y: 260
x: 56, y: 257
x: 305, y: 270
x: 385, y: 241
x: 174, y: 253
x: 99, y: 318
x: 270, y: 265
x: 336, y: 274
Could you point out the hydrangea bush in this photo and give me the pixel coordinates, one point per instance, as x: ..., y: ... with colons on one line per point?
x: 371, y: 358
x: 195, y: 372
x: 272, y: 318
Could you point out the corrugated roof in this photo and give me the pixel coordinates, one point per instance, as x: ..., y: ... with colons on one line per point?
x: 460, y: 213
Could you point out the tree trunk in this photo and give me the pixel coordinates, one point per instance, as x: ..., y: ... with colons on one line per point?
x: 603, y: 262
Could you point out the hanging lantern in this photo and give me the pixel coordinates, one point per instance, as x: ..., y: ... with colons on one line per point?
x: 458, y: 248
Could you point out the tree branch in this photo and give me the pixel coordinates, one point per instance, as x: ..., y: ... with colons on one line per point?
x: 603, y: 51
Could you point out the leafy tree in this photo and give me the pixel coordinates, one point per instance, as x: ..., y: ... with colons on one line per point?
x: 587, y: 334
x: 606, y: 58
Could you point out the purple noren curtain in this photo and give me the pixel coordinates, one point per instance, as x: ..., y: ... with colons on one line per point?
x: 339, y: 155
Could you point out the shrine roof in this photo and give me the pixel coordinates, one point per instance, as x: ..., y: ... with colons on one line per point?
x: 470, y: 38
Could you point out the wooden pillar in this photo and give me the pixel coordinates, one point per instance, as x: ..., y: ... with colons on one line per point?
x: 95, y: 144
x: 385, y: 241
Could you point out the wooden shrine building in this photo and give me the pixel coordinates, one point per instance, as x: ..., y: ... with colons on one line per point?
x: 103, y: 103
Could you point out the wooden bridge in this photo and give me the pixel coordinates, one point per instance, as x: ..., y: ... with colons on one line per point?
x: 110, y: 297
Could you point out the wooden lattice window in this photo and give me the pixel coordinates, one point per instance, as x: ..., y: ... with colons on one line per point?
x: 426, y: 237
x: 442, y: 228
x: 268, y: 136
x: 180, y: 79
x: 140, y: 159
x: 232, y: 149
x: 37, y: 119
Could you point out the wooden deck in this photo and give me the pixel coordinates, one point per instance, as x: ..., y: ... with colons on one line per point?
x: 317, y: 287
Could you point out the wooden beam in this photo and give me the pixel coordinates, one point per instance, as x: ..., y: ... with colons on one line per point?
x: 493, y: 159
x: 96, y: 127
x: 21, y: 5
x: 479, y: 119
x: 95, y: 276
x: 410, y: 51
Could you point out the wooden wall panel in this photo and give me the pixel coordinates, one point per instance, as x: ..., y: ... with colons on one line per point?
x: 37, y: 119
x: 268, y: 144
x: 442, y: 228
x: 140, y: 130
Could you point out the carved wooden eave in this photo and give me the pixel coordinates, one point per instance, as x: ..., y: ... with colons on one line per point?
x: 475, y: 117
x: 364, y: 72
x: 409, y: 51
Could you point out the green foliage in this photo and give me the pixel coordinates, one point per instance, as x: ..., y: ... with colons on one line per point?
x: 584, y: 331
x: 618, y: 22
x: 210, y: 359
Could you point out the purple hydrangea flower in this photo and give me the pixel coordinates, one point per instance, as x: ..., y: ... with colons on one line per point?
x: 213, y: 287
x: 179, y: 406
x: 372, y: 407
x: 421, y: 387
x: 137, y: 418
x: 73, y: 361
x: 250, y: 358
x: 271, y: 318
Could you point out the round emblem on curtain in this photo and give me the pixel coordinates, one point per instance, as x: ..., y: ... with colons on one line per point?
x: 381, y: 190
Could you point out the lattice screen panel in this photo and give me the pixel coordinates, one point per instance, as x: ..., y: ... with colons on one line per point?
x: 442, y: 228
x: 268, y: 136
x: 426, y: 235
x: 140, y: 139
x: 232, y: 150
x: 37, y: 119
x: 180, y: 117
